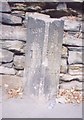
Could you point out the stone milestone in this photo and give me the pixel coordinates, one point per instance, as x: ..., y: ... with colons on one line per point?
x: 43, y: 54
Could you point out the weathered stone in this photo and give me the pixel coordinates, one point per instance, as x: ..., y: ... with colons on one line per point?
x: 64, y: 52
x: 19, y: 62
x: 61, y: 6
x: 72, y: 33
x: 9, y: 65
x: 80, y: 49
x: 10, y: 19
x: 72, y: 40
x: 14, y: 45
x: 63, y: 68
x: 13, y: 33
x: 33, y: 8
x: 11, y: 81
x: 82, y: 26
x: 7, y: 71
x: 71, y: 24
x: 67, y: 77
x: 75, y: 57
x: 20, y: 73
x: 42, y: 63
x: 0, y: 80
x: 19, y: 13
x: 73, y: 84
x: 56, y: 13
x: 1, y: 42
x: 81, y: 35
x: 5, y: 56
x: 4, y: 7
x: 76, y: 69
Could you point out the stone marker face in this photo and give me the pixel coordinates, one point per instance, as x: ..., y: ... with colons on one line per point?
x: 43, y: 55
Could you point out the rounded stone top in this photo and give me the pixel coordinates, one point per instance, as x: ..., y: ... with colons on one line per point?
x: 43, y: 17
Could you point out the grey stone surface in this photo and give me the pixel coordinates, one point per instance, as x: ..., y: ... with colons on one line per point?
x: 11, y: 81
x: 4, y: 7
x: 5, y: 56
x: 19, y: 13
x: 64, y: 52
x: 9, y: 65
x: 71, y: 24
x: 76, y: 69
x: 10, y: 19
x: 82, y: 27
x: 73, y: 84
x: 19, y: 62
x: 63, y: 68
x: 72, y: 40
x: 14, y: 45
x: 20, y: 73
x: 7, y: 71
x: 75, y: 57
x: 80, y: 49
x: 61, y: 6
x: 13, y: 33
x: 0, y: 81
x: 42, y: 63
x: 67, y: 77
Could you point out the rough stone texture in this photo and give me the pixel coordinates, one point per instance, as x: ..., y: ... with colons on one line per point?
x: 75, y: 57
x: 76, y: 69
x: 67, y: 77
x: 82, y: 27
x: 61, y: 6
x: 11, y: 81
x: 68, y: 85
x: 64, y: 52
x: 80, y: 49
x: 12, y: 35
x: 5, y: 56
x: 63, y: 68
x: 9, y: 65
x: 10, y: 19
x: 7, y: 71
x: 43, y: 66
x: 19, y: 62
x: 19, y: 13
x: 20, y: 73
x: 0, y: 80
x: 72, y: 40
x: 4, y: 7
x: 71, y: 24
x: 13, y: 32
x: 14, y: 45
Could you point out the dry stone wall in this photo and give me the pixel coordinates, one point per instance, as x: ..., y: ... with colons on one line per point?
x: 13, y: 41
